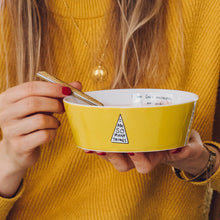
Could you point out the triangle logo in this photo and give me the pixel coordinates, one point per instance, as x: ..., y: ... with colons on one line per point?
x: 120, y: 136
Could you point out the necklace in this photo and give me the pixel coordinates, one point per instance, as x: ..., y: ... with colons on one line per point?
x: 99, y: 72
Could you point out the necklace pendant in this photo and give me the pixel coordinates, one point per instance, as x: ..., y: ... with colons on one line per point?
x: 99, y: 73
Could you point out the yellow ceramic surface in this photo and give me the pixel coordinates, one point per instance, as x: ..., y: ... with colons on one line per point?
x: 132, y: 120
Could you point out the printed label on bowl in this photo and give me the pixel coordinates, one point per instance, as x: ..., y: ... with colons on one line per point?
x: 119, y: 135
x: 151, y: 99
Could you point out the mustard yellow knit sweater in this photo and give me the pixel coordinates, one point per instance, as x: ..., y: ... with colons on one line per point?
x: 66, y: 183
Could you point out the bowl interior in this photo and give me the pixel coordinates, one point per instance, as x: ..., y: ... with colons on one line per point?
x: 136, y: 98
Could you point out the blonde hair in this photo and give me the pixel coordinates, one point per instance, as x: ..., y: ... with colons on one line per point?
x: 140, y: 48
x: 142, y: 45
x: 28, y: 20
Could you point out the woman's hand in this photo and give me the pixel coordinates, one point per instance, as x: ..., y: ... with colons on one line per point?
x: 191, y: 158
x: 26, y: 121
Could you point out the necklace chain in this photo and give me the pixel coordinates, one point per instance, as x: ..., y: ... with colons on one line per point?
x: 99, y: 73
x: 75, y: 24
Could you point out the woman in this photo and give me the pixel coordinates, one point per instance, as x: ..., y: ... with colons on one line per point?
x: 160, y: 44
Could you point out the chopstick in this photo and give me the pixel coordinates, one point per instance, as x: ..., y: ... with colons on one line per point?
x: 75, y: 92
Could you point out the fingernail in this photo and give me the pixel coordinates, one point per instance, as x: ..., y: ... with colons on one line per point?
x: 101, y: 153
x: 66, y: 91
x: 89, y: 152
x: 178, y: 150
x: 131, y: 154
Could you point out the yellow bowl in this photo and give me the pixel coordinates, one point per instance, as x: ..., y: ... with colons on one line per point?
x: 132, y: 120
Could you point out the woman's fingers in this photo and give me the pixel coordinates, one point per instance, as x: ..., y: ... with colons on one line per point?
x: 195, y: 138
x: 145, y: 162
x: 31, y: 124
x: 141, y: 162
x: 119, y: 160
x: 24, y: 150
x: 192, y: 150
x: 26, y: 121
x: 30, y: 105
x: 191, y: 158
x: 36, y: 88
x: 76, y: 85
x: 37, y: 138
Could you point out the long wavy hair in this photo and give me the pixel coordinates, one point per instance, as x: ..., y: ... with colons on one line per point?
x: 140, y: 50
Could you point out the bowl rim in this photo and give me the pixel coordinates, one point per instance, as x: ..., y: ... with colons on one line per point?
x: 194, y: 98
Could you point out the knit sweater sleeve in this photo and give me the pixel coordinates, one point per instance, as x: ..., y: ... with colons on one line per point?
x: 6, y: 204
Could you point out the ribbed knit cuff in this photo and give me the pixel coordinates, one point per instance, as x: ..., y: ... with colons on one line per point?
x: 6, y: 204
x: 215, y: 178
